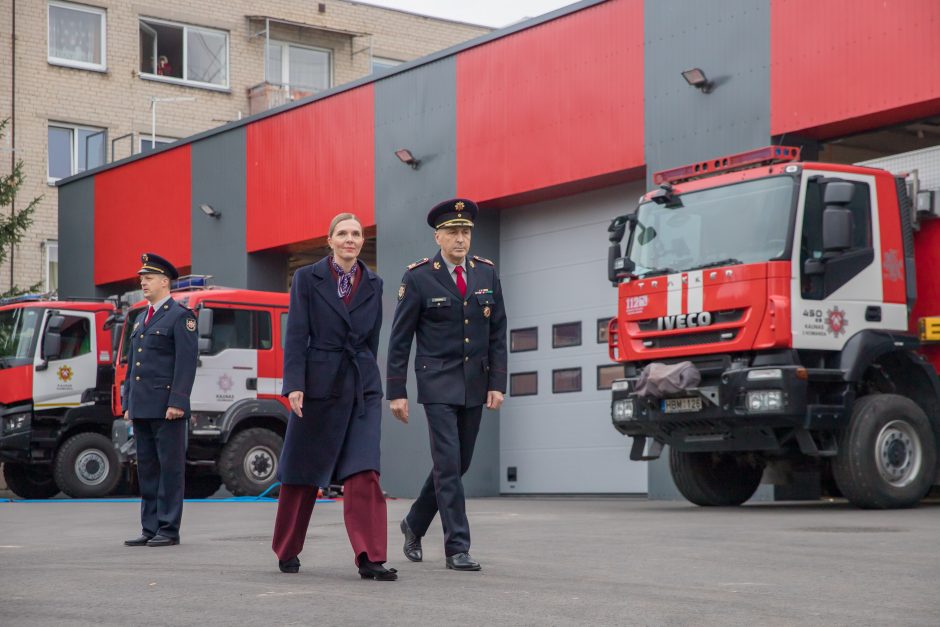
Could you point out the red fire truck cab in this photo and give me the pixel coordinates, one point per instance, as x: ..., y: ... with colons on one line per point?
x: 238, y: 415
x: 804, y: 299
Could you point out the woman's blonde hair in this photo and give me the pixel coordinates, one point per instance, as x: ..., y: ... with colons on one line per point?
x: 339, y: 218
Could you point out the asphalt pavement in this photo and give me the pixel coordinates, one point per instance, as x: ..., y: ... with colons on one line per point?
x: 546, y: 561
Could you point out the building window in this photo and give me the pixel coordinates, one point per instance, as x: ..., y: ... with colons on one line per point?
x: 380, y: 64
x: 566, y: 334
x: 602, y: 330
x: 188, y: 54
x: 51, y: 249
x: 566, y: 380
x: 77, y: 36
x: 606, y: 375
x: 524, y: 384
x: 298, y: 67
x: 148, y: 142
x: 521, y: 340
x: 240, y: 329
x: 74, y: 149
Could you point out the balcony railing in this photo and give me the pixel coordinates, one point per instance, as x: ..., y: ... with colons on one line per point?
x: 264, y: 96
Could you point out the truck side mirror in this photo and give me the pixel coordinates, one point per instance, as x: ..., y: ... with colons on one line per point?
x: 52, y: 340
x: 116, y: 332
x: 205, y: 322
x: 837, y: 229
x: 205, y: 345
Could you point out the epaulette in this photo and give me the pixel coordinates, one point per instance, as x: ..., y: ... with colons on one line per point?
x: 484, y: 260
x: 419, y: 262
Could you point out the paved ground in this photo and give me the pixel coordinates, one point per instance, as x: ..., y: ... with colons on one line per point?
x: 605, y: 561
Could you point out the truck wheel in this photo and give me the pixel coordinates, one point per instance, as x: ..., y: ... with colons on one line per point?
x: 249, y: 461
x: 714, y: 479
x: 887, y: 456
x: 87, y: 466
x: 201, y: 486
x: 30, y: 481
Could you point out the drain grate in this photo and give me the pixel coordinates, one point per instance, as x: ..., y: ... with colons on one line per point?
x: 852, y: 529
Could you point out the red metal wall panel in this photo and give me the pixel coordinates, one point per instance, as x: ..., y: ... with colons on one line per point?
x: 843, y: 66
x: 139, y: 207
x: 553, y: 104
x: 308, y: 164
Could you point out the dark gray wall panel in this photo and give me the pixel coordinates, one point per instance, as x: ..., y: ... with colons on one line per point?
x: 218, y: 180
x: 77, y: 246
x: 416, y: 110
x: 730, y: 41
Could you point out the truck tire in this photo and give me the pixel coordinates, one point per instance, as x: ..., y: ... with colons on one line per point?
x: 201, y: 485
x: 87, y: 466
x: 249, y: 461
x: 887, y: 456
x: 714, y: 479
x: 30, y: 481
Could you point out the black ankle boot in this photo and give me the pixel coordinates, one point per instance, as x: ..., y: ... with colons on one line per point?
x: 289, y: 566
x: 372, y: 570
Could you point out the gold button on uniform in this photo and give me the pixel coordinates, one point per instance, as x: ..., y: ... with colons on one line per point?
x: 140, y: 350
x: 466, y: 321
x: 136, y: 378
x: 137, y: 363
x: 466, y: 340
x: 465, y: 303
x: 466, y: 359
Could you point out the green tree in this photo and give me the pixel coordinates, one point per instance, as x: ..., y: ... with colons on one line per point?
x: 13, y: 226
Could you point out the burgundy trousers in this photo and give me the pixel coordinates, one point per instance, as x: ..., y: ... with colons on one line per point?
x: 364, y: 512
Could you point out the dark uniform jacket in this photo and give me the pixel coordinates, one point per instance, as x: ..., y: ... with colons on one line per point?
x: 329, y: 355
x: 461, y: 341
x: 161, y: 362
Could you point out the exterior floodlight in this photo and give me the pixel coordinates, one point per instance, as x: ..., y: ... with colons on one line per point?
x: 210, y: 211
x: 405, y: 156
x: 697, y: 79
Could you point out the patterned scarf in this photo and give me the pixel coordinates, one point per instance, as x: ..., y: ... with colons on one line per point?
x: 344, y: 284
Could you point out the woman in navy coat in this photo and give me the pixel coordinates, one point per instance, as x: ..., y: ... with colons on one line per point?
x: 332, y: 380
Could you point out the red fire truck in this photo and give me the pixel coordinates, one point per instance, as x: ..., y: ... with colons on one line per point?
x: 238, y: 415
x: 55, y: 397
x: 777, y: 316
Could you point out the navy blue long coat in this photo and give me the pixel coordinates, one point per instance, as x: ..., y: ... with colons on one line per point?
x: 329, y: 354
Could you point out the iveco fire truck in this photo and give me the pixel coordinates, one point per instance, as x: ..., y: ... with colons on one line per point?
x: 238, y: 415
x: 55, y: 397
x: 775, y: 316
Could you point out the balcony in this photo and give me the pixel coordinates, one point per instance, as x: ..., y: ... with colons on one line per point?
x: 264, y: 96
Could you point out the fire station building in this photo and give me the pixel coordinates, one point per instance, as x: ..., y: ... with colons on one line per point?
x: 554, y: 126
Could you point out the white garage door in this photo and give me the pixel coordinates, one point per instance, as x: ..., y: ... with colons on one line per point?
x: 555, y: 429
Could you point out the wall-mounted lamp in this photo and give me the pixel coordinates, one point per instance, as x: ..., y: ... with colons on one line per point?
x: 697, y: 79
x: 210, y: 211
x: 404, y: 155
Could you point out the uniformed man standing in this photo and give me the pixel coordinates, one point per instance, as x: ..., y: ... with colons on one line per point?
x: 160, y: 374
x: 454, y: 305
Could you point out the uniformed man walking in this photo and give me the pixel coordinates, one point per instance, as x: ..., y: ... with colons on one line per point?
x: 160, y: 374
x: 454, y: 305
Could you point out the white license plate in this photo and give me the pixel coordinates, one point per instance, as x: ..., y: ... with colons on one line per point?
x: 679, y: 405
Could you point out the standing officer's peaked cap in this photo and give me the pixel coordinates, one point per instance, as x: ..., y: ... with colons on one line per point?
x: 453, y: 212
x: 155, y: 264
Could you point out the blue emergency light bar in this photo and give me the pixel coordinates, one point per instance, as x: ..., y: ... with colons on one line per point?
x: 191, y: 281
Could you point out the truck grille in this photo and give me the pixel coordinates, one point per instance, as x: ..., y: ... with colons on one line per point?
x: 691, y: 339
x: 718, y: 317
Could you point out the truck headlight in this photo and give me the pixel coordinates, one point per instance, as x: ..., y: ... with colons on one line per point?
x: 764, y: 400
x: 623, y: 410
x: 16, y: 422
x: 766, y: 374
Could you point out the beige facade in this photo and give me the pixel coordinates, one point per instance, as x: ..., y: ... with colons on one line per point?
x: 215, y: 63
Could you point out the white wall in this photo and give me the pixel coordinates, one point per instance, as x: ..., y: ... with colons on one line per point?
x: 553, y: 266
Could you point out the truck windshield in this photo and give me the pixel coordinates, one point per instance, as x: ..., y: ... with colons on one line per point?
x: 742, y: 223
x: 18, y: 330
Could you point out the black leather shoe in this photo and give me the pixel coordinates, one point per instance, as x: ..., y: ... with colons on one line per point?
x: 141, y: 540
x: 372, y: 570
x: 289, y: 566
x: 159, y: 540
x: 462, y: 561
x: 412, y: 546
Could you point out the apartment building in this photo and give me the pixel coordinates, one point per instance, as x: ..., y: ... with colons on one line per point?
x: 89, y: 83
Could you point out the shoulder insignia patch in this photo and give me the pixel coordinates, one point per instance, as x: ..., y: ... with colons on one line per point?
x: 401, y: 291
x: 420, y: 262
x: 190, y: 324
x: 484, y: 260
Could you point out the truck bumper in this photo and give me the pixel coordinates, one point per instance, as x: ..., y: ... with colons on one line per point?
x: 740, y: 409
x: 15, y: 433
